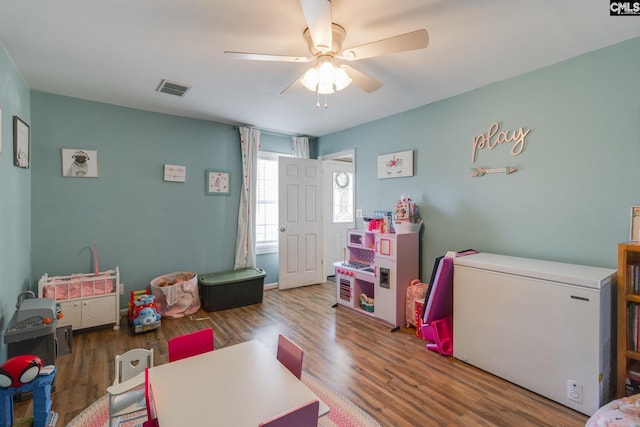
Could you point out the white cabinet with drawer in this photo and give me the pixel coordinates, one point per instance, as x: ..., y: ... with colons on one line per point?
x: 89, y: 312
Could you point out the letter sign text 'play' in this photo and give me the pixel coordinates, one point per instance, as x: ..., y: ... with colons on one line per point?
x: 495, y: 137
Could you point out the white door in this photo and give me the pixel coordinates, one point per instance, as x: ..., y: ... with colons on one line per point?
x: 339, y: 189
x: 300, y: 218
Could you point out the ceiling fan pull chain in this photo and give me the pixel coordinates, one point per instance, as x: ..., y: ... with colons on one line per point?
x: 317, y: 99
x: 326, y: 101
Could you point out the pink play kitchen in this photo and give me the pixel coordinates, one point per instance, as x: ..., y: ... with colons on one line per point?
x: 377, y: 270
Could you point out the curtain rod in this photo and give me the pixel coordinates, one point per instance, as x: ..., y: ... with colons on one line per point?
x: 271, y: 132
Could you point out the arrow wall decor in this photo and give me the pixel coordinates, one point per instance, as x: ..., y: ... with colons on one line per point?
x: 477, y: 172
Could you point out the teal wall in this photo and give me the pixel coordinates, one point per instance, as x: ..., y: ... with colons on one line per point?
x: 577, y: 177
x: 569, y: 201
x: 15, y: 194
x: 142, y: 224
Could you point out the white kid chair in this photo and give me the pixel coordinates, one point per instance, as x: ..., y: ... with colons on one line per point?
x: 127, y: 394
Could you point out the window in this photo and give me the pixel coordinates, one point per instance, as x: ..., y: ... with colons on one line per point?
x: 267, y: 203
x: 342, y: 197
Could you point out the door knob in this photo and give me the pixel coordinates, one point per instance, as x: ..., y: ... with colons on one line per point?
x: 282, y: 229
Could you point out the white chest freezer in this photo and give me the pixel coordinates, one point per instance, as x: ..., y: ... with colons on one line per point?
x: 543, y: 325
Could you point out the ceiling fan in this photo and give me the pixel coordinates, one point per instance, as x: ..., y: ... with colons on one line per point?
x: 325, y: 39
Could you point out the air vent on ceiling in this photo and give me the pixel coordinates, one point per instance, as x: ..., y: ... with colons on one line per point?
x: 172, y: 88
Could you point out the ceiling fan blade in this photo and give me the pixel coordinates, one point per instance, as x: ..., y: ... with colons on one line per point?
x: 418, y: 39
x: 292, y: 85
x: 265, y: 57
x: 363, y: 81
x: 317, y: 13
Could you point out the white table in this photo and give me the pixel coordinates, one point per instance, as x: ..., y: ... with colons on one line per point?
x: 241, y: 385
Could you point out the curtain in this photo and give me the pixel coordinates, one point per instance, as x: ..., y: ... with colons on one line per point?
x: 300, y: 147
x: 246, y: 239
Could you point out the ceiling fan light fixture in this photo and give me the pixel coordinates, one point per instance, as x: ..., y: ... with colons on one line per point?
x: 325, y: 88
x: 310, y: 79
x: 325, y: 78
x: 326, y: 74
x: 342, y: 79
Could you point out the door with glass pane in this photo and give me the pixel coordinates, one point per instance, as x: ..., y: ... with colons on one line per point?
x: 339, y: 210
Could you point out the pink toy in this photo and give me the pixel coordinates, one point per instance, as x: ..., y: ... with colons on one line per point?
x: 438, y: 308
x: 415, y: 297
x: 177, y: 294
x: 440, y: 332
x: 375, y: 224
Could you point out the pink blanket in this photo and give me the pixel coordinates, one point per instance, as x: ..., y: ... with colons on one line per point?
x: 77, y: 287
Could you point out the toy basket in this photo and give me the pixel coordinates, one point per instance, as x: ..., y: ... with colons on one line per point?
x: 366, y: 307
x: 366, y: 303
x: 176, y: 294
x: 403, y: 227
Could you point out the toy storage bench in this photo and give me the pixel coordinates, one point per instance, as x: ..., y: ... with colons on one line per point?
x: 86, y: 300
x: 230, y: 289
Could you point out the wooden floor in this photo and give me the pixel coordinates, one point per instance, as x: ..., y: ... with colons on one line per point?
x: 390, y: 375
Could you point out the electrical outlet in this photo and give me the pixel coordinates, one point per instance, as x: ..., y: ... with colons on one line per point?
x: 359, y: 213
x: 574, y: 391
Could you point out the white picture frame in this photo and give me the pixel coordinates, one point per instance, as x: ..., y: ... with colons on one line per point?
x: 79, y: 163
x: 217, y: 183
x: 175, y: 173
x: 395, y: 165
x: 634, y: 224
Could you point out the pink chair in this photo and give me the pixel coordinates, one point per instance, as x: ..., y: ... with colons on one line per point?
x: 290, y: 355
x: 305, y: 415
x: 152, y: 417
x: 190, y: 344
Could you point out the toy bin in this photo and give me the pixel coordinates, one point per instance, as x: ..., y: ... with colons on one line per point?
x: 176, y: 294
x: 230, y: 289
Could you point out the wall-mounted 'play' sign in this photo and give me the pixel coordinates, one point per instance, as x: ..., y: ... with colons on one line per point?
x: 495, y: 137
x: 481, y: 171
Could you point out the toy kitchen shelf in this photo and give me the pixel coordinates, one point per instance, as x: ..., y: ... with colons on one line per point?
x: 374, y: 278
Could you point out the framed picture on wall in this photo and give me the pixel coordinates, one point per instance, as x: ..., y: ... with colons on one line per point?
x: 634, y: 228
x: 217, y: 183
x: 175, y: 173
x: 395, y: 165
x: 20, y: 143
x: 79, y: 163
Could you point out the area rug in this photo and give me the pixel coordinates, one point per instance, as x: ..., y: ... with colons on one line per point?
x: 343, y: 412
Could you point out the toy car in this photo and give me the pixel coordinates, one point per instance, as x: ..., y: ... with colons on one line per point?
x: 143, y: 312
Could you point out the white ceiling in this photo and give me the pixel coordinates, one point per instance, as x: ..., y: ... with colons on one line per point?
x: 118, y: 51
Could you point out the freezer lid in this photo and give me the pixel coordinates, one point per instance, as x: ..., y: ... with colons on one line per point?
x: 573, y: 274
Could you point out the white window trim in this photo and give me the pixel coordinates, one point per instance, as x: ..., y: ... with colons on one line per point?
x: 271, y: 247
